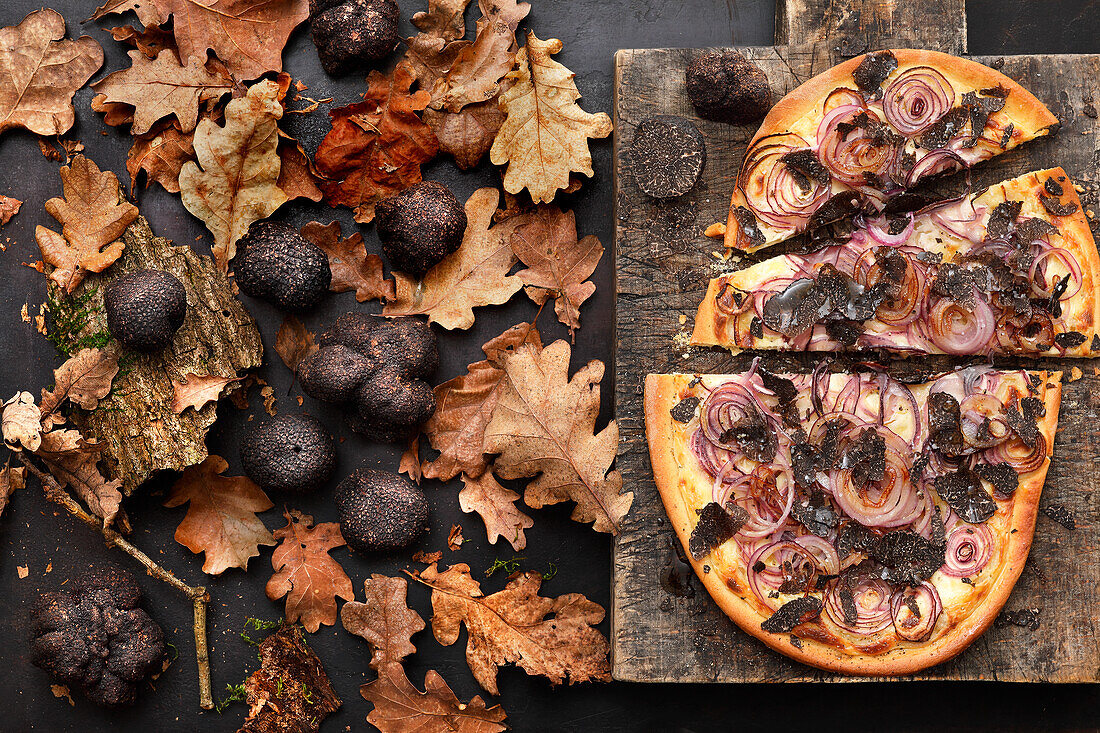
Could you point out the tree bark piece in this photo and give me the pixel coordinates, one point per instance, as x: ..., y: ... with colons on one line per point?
x: 851, y: 27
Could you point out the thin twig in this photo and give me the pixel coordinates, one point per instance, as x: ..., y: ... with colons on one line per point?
x: 197, y: 594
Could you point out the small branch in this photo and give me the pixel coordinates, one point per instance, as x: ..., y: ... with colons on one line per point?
x: 197, y: 594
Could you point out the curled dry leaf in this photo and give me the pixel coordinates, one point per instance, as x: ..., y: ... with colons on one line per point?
x: 401, y: 708
x: 161, y: 155
x: 545, y: 133
x: 235, y: 181
x: 475, y: 275
x: 352, y: 268
x: 552, y: 637
x: 444, y: 19
x: 429, y: 57
x: 290, y: 692
x: 40, y: 71
x: 410, y: 460
x: 73, y: 461
x: 384, y: 619
x: 84, y: 379
x: 294, y: 342
x: 497, y: 507
x: 297, y: 178
x: 197, y: 391
x: 11, y: 480
x: 467, y: 135
x: 146, y: 11
x: 22, y: 422
x: 150, y: 41
x: 93, y: 216
x: 9, y: 207
x: 221, y: 520
x: 455, y: 539
x: 305, y: 572
x: 544, y: 424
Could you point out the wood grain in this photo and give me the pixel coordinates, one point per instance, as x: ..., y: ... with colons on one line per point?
x: 851, y: 27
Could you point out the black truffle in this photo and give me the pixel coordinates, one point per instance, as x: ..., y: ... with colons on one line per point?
x: 334, y: 373
x: 716, y: 525
x: 667, y: 155
x: 145, y: 309
x: 725, y: 87
x: 420, y: 226
x: 274, y: 262
x: 93, y: 636
x: 380, y: 511
x: 349, y: 34
x: 293, y: 453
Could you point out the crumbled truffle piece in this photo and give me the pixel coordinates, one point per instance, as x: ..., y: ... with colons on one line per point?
x: 350, y: 34
x: 293, y: 453
x: 1002, y: 476
x: 276, y: 263
x: 752, y: 434
x: 725, y: 87
x: 1001, y: 220
x: 873, y: 70
x: 964, y: 493
x: 1069, y: 339
x: 804, y: 461
x: 685, y: 409
x: 854, y: 537
x: 420, y: 226
x: 749, y: 234
x: 785, y: 393
x: 1028, y: 618
x: 805, y: 167
x: 667, y: 156
x: 865, y: 457
x: 945, y: 423
x: 814, y: 512
x: 1061, y: 515
x: 1006, y: 136
x: 942, y: 130
x: 1021, y: 419
x: 93, y: 636
x: 1056, y: 207
x: 145, y: 309
x: 715, y: 526
x: 837, y: 207
x: 791, y: 614
x: 1053, y: 187
x: 907, y: 557
x: 796, y: 642
x: 380, y: 511
x: 756, y: 327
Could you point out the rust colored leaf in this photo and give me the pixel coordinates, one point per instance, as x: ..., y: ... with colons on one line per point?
x: 22, y: 422
x: 40, y: 71
x: 11, y: 480
x: 352, y: 268
x: 9, y: 207
x: 552, y: 637
x: 376, y: 147
x: 146, y: 11
x: 497, y: 507
x: 455, y: 538
x: 443, y: 19
x: 305, y: 572
x: 467, y: 135
x: 384, y: 619
x: 294, y: 342
x: 84, y: 379
x: 196, y: 391
x: 410, y: 460
x: 73, y: 461
x: 475, y: 275
x: 477, y: 70
x: 221, y: 520
x: 297, y: 178
x: 150, y: 41
x: 161, y: 155
x: 544, y: 424
x: 401, y: 708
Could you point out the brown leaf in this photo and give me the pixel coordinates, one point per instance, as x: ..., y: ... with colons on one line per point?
x: 11, y: 480
x: 146, y: 11
x: 352, y: 268
x: 545, y: 134
x: 84, y: 379
x: 375, y: 148
x: 543, y: 424
x: 73, y: 462
x: 475, y: 275
x: 22, y: 422
x: 9, y: 207
x: 429, y: 58
x: 410, y: 460
x: 455, y: 538
x: 444, y: 19
x: 221, y: 520
x: 40, y: 71
x: 290, y: 693
x: 464, y: 406
x: 305, y: 572
x: 235, y: 181
x: 62, y: 692
x: 93, y: 216
x: 384, y: 619
x: 162, y: 87
x: 248, y: 36
x: 552, y: 637
x: 161, y: 154
x: 497, y: 507
x: 297, y: 178
x: 401, y: 708
x: 467, y: 135
x: 427, y: 557
x: 196, y: 391
x: 557, y: 264
x: 294, y: 342
x: 150, y: 41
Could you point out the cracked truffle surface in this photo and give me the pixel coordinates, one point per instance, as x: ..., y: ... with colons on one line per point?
x: 292, y: 453
x: 349, y: 34
x: 380, y: 511
x: 275, y: 263
x: 725, y: 87
x: 420, y: 226
x: 145, y: 309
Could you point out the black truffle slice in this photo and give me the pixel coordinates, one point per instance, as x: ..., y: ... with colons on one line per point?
x: 1061, y: 514
x: 1022, y: 419
x: 333, y: 373
x: 725, y: 87
x: 963, y: 492
x: 380, y: 511
x: 791, y: 614
x: 907, y: 557
x: 145, y: 309
x: 685, y: 409
x: 1069, y: 339
x: 349, y: 34
x: 715, y: 526
x: 666, y: 156
x: 944, y: 423
x: 814, y: 513
x: 391, y: 406
x: 873, y: 70
x: 275, y: 263
x: 1002, y: 476
x: 292, y: 453
x: 420, y: 226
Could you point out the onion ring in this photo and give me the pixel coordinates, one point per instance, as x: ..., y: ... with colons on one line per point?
x: 916, y: 99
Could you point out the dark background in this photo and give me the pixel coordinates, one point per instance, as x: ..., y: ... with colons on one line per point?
x: 32, y: 534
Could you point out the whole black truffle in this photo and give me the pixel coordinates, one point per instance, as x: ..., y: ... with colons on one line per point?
x: 145, y: 309
x: 667, y: 155
x: 351, y: 33
x: 93, y: 636
x: 725, y: 87
x: 420, y: 226
x: 274, y: 262
x: 293, y: 453
x: 380, y: 511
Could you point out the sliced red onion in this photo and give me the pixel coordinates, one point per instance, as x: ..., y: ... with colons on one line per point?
x: 969, y: 549
x: 916, y: 99
x: 1025, y: 333
x: 823, y: 550
x: 769, y: 187
x: 1017, y: 454
x: 767, y: 496
x: 710, y: 457
x: 892, y: 502
x: 957, y: 329
x: 871, y: 596
x: 936, y: 161
x: 781, y: 560
x: 849, y: 157
x: 842, y: 96
x: 960, y: 219
x: 877, y: 229
x: 1038, y: 278
x: 915, y: 611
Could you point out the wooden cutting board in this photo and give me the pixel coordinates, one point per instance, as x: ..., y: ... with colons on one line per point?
x: 665, y: 628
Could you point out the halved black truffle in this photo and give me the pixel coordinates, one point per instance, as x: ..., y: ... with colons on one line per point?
x: 667, y: 156
x: 420, y: 226
x: 274, y: 262
x: 350, y: 34
x: 725, y: 87
x: 145, y: 309
x: 380, y: 511
x: 292, y: 453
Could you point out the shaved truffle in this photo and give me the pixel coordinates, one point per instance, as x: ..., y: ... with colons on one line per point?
x: 685, y: 409
x: 380, y: 511
x: 791, y: 614
x: 752, y: 434
x: 725, y: 87
x: 667, y: 156
x: 1022, y: 419
x: 420, y: 226
x: 749, y: 234
x: 1028, y: 618
x: 1061, y: 515
x: 715, y: 526
x: 873, y: 70
x: 293, y: 453
x: 1057, y: 208
x: 1069, y: 339
x: 349, y: 34
x: 865, y: 457
x: 805, y: 167
x: 945, y: 423
x: 907, y: 557
x: 1002, y: 476
x: 963, y: 492
x: 276, y: 263
x: 145, y: 309
x: 814, y: 512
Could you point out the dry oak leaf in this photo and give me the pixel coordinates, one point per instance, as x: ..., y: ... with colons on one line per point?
x: 235, y: 181
x: 443, y: 19
x: 352, y: 268
x: 150, y: 41
x: 552, y: 637
x: 22, y: 422
x: 497, y: 507
x: 545, y: 134
x: 384, y: 619
x: 248, y: 35
x: 93, y: 216
x: 466, y: 135
x: 455, y: 538
x: 410, y: 460
x: 464, y: 406
x: 198, y: 390
x: 73, y: 461
x: 290, y: 692
x: 11, y: 480
x: 429, y: 58
x: 294, y: 342
x: 161, y: 155
x: 221, y: 520
x: 146, y: 11
x: 305, y: 572
x: 162, y: 87
x: 401, y: 708
x: 474, y: 275
x: 558, y: 266
x: 9, y: 207
x: 84, y: 379
x: 40, y: 71
x: 297, y: 179
x: 544, y: 424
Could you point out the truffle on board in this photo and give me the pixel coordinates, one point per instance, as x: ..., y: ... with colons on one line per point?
x: 351, y: 34
x: 725, y: 87
x: 380, y: 511
x: 145, y: 309
x: 420, y: 226
x: 292, y: 453
x: 275, y: 263
x: 667, y: 156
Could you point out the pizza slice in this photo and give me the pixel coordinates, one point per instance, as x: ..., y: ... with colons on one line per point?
x: 1013, y: 269
x: 866, y: 130
x: 851, y: 521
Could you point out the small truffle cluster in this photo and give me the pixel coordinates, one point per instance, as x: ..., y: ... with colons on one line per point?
x: 349, y: 34
x: 420, y: 226
x: 377, y: 368
x: 289, y: 453
x: 275, y: 263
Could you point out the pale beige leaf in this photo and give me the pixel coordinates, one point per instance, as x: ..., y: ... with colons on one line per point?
x: 197, y: 391
x: 496, y: 506
x: 443, y: 19
x: 384, y: 619
x: 401, y: 708
x: 305, y: 572
x: 73, y: 461
x: 294, y: 342
x: 22, y: 422
x: 84, y: 379
x: 478, y: 68
x: 146, y: 11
